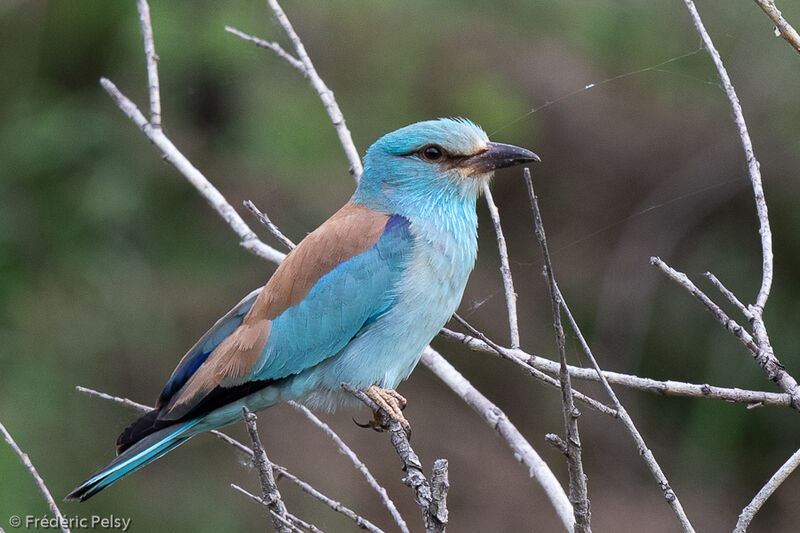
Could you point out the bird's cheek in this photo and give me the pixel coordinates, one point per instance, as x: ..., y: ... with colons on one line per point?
x: 474, y: 173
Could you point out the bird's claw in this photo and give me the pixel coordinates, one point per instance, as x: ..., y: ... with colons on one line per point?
x: 392, y: 403
x: 376, y: 423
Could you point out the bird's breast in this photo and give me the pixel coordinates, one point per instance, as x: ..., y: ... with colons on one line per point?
x: 432, y: 285
x: 425, y: 296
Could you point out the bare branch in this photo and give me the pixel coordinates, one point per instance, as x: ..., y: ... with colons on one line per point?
x: 269, y: 489
x: 782, y: 28
x: 753, y: 166
x: 432, y: 514
x: 51, y: 503
x: 236, y: 444
x: 538, y: 374
x: 766, y: 491
x: 568, y: 447
x: 578, y: 492
x: 270, y: 45
x: 249, y: 240
x: 124, y: 401
x: 299, y: 522
x: 359, y: 464
x: 325, y: 94
x: 729, y: 295
x: 285, y: 522
x: 760, y: 349
x: 667, y: 388
x: 289, y: 519
x: 359, y: 520
x: 557, y: 442
x: 505, y: 269
x: 265, y: 220
x: 440, y: 485
x: 728, y: 323
x: 627, y: 421
x: 497, y: 420
x: 152, y: 62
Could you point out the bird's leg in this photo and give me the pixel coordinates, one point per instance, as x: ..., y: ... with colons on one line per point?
x: 390, y: 401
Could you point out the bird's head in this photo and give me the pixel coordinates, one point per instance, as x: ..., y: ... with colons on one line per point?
x: 437, y: 160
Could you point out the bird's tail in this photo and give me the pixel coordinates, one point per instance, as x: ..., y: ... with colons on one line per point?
x: 138, y: 455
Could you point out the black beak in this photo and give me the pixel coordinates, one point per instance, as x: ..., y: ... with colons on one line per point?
x: 500, y: 155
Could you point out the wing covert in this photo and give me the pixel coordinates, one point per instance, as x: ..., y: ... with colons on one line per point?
x: 341, y: 277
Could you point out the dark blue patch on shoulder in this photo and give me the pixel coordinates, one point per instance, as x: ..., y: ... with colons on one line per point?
x: 395, y: 221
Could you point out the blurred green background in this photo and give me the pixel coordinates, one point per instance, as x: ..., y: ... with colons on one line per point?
x: 111, y: 265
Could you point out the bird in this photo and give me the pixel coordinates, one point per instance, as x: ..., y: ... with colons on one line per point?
x: 356, y: 302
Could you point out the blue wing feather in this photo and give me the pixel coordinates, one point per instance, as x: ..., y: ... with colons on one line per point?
x: 338, y: 306
x: 198, y: 354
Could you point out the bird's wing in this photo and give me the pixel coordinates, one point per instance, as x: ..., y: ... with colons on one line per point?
x: 205, y: 346
x: 340, y: 278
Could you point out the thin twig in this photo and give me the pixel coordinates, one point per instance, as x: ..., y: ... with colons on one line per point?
x: 505, y: 268
x: 248, y: 239
x: 258, y: 499
x: 152, y: 62
x: 359, y: 520
x: 578, y: 492
x: 507, y: 353
x: 668, y: 388
x: 432, y: 514
x: 236, y: 444
x: 627, y: 421
x: 124, y: 401
x: 325, y: 94
x: 289, y: 519
x: 497, y: 420
x: 753, y: 166
x: 269, y: 45
x: 782, y: 28
x: 285, y: 522
x: 51, y: 503
x: 296, y: 520
x: 359, y: 464
x: 558, y: 300
x: 146, y: 408
x: 269, y: 489
x: 728, y: 323
x: 766, y: 491
x: 761, y: 350
x: 265, y: 220
x: 729, y: 295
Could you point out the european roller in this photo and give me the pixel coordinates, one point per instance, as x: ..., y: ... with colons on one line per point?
x: 355, y: 302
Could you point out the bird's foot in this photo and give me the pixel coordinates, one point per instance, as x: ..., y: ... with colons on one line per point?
x: 392, y: 403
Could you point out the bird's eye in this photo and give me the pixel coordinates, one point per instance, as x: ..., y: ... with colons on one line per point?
x: 431, y: 153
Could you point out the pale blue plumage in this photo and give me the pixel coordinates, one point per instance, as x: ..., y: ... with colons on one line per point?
x: 407, y: 243
x: 305, y: 335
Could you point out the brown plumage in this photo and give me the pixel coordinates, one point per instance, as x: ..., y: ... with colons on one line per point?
x: 350, y: 231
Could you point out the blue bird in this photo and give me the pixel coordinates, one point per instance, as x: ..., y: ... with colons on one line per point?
x: 355, y: 302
